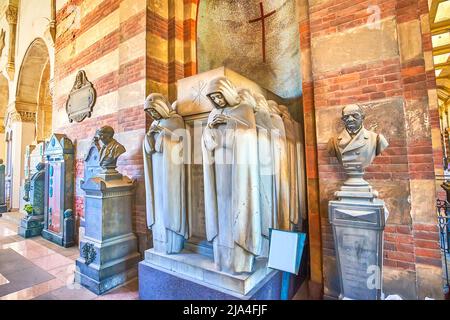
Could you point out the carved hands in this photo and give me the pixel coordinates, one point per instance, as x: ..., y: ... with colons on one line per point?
x: 217, y: 120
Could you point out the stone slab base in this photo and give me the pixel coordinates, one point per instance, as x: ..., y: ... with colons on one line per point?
x: 100, y: 280
x: 50, y: 236
x: 31, y: 226
x: 30, y: 232
x: 156, y: 283
x: 197, y: 266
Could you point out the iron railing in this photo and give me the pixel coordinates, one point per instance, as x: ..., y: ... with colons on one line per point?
x: 443, y: 216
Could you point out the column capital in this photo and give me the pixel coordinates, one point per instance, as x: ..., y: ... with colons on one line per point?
x: 11, y: 14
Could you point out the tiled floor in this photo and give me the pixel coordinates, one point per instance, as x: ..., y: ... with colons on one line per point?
x: 38, y: 269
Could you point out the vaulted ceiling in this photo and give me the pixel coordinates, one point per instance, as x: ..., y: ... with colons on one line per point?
x: 440, y: 30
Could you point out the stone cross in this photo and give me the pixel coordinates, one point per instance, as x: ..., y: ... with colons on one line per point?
x: 263, y: 18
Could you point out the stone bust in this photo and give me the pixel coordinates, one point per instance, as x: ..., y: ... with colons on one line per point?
x: 109, y: 150
x: 356, y: 147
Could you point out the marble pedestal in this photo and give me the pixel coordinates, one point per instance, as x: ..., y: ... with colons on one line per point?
x: 108, y: 250
x: 31, y: 226
x: 358, y: 221
x: 192, y: 276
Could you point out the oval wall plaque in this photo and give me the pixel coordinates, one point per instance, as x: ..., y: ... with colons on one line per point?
x: 82, y: 99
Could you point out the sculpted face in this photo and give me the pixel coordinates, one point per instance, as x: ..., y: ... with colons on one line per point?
x: 105, y: 134
x: 353, y: 118
x: 155, y: 115
x: 218, y: 99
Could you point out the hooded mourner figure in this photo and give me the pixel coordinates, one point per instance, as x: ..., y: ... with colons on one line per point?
x: 266, y: 169
x: 230, y: 163
x: 164, y: 176
x: 294, y: 148
x: 281, y: 167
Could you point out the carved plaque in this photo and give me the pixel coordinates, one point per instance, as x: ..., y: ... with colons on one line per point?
x: 81, y: 99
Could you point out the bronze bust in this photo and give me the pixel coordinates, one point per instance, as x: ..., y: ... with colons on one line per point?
x: 110, y: 150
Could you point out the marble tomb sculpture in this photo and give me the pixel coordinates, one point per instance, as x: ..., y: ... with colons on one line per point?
x: 231, y: 149
x: 165, y: 176
x: 357, y: 215
x: 267, y: 190
x: 230, y: 153
x: 281, y: 166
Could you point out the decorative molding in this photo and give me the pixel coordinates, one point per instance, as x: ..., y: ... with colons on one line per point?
x: 20, y: 116
x: 11, y: 14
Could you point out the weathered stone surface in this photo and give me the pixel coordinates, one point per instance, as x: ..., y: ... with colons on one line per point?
x: 417, y: 120
x: 410, y: 40
x: 332, y: 287
x: 401, y: 282
x: 355, y: 47
x: 429, y: 282
x: 219, y: 44
x: 384, y: 117
x: 394, y: 193
x: 421, y: 202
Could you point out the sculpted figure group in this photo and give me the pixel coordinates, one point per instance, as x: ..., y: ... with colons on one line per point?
x: 251, y: 153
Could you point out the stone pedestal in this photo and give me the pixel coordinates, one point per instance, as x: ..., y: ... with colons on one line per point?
x: 358, y: 219
x: 108, y: 250
x: 192, y: 276
x: 3, y: 207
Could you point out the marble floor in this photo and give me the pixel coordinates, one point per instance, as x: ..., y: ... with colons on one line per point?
x: 38, y: 269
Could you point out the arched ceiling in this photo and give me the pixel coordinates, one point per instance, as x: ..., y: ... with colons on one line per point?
x: 30, y: 75
x: 440, y: 30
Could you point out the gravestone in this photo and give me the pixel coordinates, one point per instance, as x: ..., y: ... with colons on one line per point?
x: 192, y: 274
x: 59, y: 224
x: 108, y: 249
x: 3, y: 207
x: 34, y: 154
x: 91, y: 169
x: 33, y: 223
x: 25, y: 187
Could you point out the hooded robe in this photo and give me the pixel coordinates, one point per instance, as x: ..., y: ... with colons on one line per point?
x: 293, y: 148
x: 281, y: 167
x: 165, y: 178
x: 266, y: 170
x: 230, y: 166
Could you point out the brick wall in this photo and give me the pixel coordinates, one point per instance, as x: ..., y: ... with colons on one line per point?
x: 106, y: 38
x: 387, y: 70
